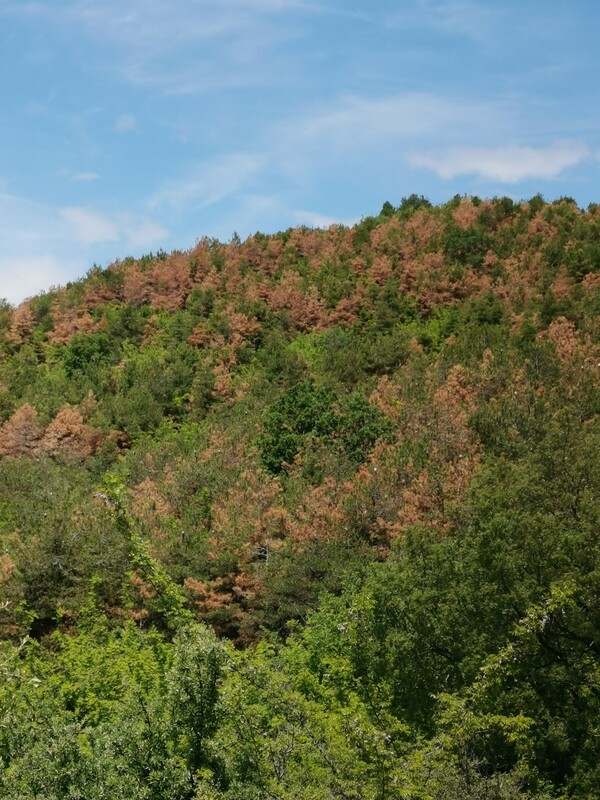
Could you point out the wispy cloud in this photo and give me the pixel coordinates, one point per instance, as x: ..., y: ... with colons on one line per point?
x: 26, y: 225
x: 203, y: 45
x: 90, y: 227
x: 31, y: 260
x: 461, y: 18
x: 295, y: 152
x: 125, y: 123
x: 507, y: 164
x: 354, y: 121
x: 85, y: 177
x: 138, y: 231
x: 209, y: 182
x: 155, y: 25
x: 377, y: 131
x: 46, y: 246
x: 472, y: 20
x: 26, y: 276
x: 316, y: 220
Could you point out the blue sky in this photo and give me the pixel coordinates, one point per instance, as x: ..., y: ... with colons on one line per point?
x: 133, y: 125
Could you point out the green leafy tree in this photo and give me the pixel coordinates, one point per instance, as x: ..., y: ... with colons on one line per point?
x: 302, y: 410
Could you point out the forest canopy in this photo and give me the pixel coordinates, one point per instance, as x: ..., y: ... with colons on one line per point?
x: 314, y: 515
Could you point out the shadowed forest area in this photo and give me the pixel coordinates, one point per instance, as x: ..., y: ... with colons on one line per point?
x: 314, y: 516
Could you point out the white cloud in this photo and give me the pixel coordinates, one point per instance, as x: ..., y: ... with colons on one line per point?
x: 316, y: 220
x: 31, y: 235
x: 26, y: 276
x: 44, y: 246
x: 374, y: 133
x: 88, y: 226
x: 91, y: 227
x: 507, y: 164
x: 125, y: 123
x: 209, y: 183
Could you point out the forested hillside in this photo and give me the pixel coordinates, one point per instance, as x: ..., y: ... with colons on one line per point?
x: 311, y: 516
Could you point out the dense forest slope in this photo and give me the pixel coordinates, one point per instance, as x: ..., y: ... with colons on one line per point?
x: 313, y: 515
